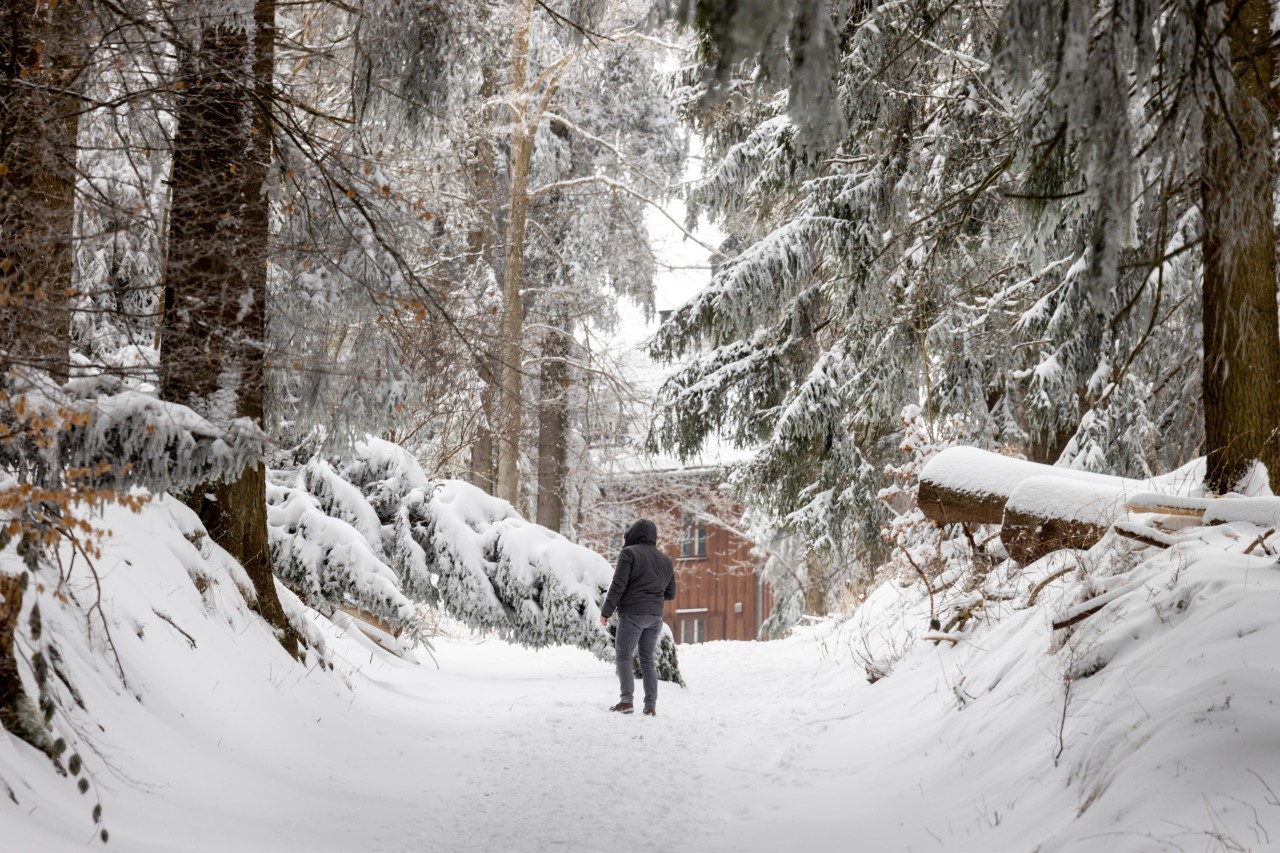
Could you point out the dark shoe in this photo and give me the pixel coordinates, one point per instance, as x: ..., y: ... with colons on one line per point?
x: 623, y: 708
x: 651, y: 712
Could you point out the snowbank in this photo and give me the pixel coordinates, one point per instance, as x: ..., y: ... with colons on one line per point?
x: 1144, y: 724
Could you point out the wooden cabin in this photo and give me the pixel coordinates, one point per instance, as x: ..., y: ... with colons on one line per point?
x: 720, y: 594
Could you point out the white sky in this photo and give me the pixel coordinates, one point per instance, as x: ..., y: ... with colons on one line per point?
x: 684, y: 267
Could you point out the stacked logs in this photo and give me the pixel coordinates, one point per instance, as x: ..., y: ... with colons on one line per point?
x: 1041, y: 509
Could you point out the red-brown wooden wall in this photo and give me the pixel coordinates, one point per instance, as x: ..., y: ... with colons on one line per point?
x: 710, y: 586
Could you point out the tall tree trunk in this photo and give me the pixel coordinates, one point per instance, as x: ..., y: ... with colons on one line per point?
x: 40, y: 63
x: 481, y: 243
x: 15, y: 706
x: 553, y: 386
x: 511, y: 402
x: 213, y: 341
x: 816, y: 585
x: 1241, y: 332
x: 482, y: 471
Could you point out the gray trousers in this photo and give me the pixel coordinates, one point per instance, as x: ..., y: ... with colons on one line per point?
x: 644, y: 631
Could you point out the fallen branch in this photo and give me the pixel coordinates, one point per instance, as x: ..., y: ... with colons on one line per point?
x: 1078, y: 616
x: 1145, y: 535
x: 1035, y: 590
x: 174, y: 625
x: 1261, y: 540
x: 1086, y: 609
x: 933, y: 620
x: 941, y: 638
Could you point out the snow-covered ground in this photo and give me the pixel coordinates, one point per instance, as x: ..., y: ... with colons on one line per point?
x: 217, y: 741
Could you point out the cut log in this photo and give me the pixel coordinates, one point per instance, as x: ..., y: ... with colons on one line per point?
x: 965, y: 485
x: 1049, y: 513
x: 1262, y: 511
x: 968, y: 485
x: 1041, y: 508
x: 945, y: 505
x: 1158, y: 504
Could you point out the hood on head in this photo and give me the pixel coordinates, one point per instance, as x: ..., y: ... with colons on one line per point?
x: 643, y: 532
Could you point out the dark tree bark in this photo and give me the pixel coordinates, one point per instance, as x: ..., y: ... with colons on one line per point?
x: 943, y: 504
x: 1241, y: 333
x: 553, y: 422
x: 12, y: 695
x: 212, y: 355
x: 39, y: 71
x: 483, y: 467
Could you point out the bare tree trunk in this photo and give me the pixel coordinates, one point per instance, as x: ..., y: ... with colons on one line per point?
x: 213, y: 340
x: 815, y: 586
x: 553, y: 421
x: 39, y: 68
x: 481, y: 242
x: 14, y: 704
x: 1241, y: 333
x: 511, y: 402
x: 481, y: 471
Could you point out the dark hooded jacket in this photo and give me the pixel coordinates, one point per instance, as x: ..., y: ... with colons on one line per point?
x: 644, y: 577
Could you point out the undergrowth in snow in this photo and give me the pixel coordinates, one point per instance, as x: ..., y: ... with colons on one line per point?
x: 1118, y: 698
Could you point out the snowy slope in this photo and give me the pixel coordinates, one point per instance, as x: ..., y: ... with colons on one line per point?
x: 1168, y: 741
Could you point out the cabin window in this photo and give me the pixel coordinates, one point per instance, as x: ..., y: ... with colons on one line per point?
x: 693, y: 630
x: 693, y: 535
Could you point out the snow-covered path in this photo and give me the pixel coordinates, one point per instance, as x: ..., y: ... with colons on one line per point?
x: 500, y: 748
x: 519, y: 753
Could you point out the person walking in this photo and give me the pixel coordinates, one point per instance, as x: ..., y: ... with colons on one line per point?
x: 642, y: 581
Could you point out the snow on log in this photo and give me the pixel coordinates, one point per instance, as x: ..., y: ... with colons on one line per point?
x: 1048, y: 513
x: 1262, y: 511
x: 1160, y: 504
x: 969, y: 485
x: 1042, y: 508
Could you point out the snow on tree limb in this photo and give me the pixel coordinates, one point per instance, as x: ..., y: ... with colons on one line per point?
x: 374, y: 533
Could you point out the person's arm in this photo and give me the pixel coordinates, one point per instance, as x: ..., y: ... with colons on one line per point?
x: 621, y: 577
x: 670, y: 592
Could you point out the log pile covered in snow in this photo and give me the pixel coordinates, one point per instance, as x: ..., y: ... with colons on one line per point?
x: 1042, y: 508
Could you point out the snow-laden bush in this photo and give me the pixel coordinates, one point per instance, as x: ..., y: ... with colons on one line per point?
x: 91, y: 441
x: 374, y: 533
x: 329, y: 562
x: 96, y: 432
x: 498, y: 572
